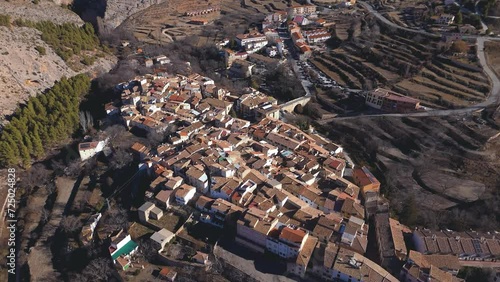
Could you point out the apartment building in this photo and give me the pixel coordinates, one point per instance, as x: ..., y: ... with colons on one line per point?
x: 390, y: 101
x: 251, y: 42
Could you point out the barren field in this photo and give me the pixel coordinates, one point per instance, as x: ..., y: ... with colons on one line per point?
x: 411, y: 65
x: 40, y: 258
x: 448, y: 164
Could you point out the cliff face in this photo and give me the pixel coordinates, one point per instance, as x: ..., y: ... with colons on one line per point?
x: 24, y: 72
x: 119, y: 10
x: 44, y: 11
x: 109, y: 14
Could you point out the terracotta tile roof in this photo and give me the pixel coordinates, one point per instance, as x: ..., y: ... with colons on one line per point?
x: 397, y: 235
x: 292, y: 235
x: 455, y: 246
x: 138, y: 147
x: 183, y: 190
x: 494, y: 246
x: 444, y: 262
x: 306, y: 251
x: 122, y: 261
x: 443, y: 245
x: 439, y: 275
x: 431, y: 245
x: 467, y: 245
x: 164, y: 195
x: 204, y: 201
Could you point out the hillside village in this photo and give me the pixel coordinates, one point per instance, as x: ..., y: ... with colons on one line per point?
x: 241, y: 184
x: 247, y: 177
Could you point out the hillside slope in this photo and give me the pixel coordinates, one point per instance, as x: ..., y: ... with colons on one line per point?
x: 447, y: 165
x: 109, y: 14
x: 25, y: 72
x: 44, y: 11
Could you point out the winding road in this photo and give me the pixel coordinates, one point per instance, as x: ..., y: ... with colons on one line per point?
x: 493, y: 97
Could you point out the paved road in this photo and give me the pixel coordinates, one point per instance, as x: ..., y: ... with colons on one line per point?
x: 383, y: 19
x: 493, y: 98
x: 480, y: 264
x: 305, y: 83
x: 388, y: 22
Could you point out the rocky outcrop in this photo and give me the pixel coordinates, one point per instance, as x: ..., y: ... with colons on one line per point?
x: 119, y: 10
x: 44, y: 11
x: 24, y: 72
x: 106, y: 15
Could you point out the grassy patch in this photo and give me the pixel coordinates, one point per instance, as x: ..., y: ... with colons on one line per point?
x: 5, y: 20
x: 138, y: 230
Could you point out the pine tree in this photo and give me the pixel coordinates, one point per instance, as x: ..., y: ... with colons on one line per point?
x: 46, y: 120
x: 52, y: 133
x: 30, y: 112
x: 28, y: 143
x: 21, y: 124
x: 42, y: 132
x: 25, y: 158
x: 23, y: 149
x: 8, y: 154
x: 38, y: 150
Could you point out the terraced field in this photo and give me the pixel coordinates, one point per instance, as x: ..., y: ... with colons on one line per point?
x: 421, y: 70
x: 448, y: 163
x: 266, y: 6
x: 165, y: 22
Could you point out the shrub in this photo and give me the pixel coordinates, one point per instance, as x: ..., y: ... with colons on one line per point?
x: 459, y: 46
x: 88, y: 60
x: 41, y: 50
x: 5, y: 20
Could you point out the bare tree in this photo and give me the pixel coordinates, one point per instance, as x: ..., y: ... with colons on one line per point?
x: 155, y: 138
x: 86, y: 120
x: 70, y: 224
x: 58, y: 167
x: 146, y: 249
x: 117, y: 218
x: 45, y: 215
x: 38, y: 175
x: 74, y: 168
x: 114, y: 132
x: 50, y: 187
x: 118, y: 136
x: 98, y: 270
x: 83, y: 199
x: 120, y: 159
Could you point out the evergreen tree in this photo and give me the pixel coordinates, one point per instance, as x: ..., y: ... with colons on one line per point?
x: 8, y: 153
x: 37, y: 142
x: 23, y: 150
x: 46, y: 120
